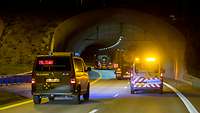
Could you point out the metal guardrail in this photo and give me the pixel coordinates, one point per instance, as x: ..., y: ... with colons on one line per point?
x: 26, y: 78
x: 15, y: 79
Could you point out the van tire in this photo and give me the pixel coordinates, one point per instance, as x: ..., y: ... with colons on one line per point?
x: 36, y: 99
x: 132, y: 92
x: 86, y: 96
x: 51, y: 99
x: 76, y: 98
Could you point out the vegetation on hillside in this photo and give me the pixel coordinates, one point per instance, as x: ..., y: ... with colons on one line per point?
x: 24, y: 37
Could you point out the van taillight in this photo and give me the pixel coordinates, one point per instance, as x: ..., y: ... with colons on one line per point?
x: 33, y: 77
x: 73, y: 81
x: 33, y: 81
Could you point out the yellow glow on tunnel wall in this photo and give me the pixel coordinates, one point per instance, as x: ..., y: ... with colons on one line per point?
x: 137, y: 59
x: 176, y: 69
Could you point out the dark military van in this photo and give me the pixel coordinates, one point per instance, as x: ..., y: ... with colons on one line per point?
x: 60, y: 74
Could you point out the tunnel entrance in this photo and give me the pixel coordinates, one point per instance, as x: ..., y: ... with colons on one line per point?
x: 87, y: 32
x: 88, y: 54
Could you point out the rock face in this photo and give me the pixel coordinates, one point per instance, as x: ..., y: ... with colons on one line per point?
x: 23, y: 37
x: 1, y: 26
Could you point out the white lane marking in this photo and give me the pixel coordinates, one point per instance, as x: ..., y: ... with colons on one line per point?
x: 94, y: 111
x: 116, y: 95
x: 187, y: 103
x: 15, y: 105
x: 29, y: 101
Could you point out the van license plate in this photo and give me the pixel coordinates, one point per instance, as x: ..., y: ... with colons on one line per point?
x: 52, y: 80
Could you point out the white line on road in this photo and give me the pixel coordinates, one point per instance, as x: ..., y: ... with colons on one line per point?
x: 116, y: 95
x: 187, y: 103
x: 94, y: 111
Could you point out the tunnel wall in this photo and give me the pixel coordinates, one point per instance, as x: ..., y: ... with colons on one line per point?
x: 169, y: 40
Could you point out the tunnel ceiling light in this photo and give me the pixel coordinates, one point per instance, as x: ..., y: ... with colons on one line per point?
x: 114, y: 45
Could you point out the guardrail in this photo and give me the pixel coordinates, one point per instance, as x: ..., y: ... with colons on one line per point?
x: 15, y: 79
x: 26, y: 78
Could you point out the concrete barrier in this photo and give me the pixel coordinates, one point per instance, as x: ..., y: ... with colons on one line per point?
x: 194, y: 81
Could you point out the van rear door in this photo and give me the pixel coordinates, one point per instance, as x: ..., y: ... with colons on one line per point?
x: 52, y: 74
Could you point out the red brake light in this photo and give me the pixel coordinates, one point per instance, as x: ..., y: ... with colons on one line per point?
x: 33, y: 81
x: 45, y: 62
x: 72, y: 81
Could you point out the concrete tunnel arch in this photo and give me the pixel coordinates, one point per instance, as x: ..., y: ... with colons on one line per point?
x: 72, y: 35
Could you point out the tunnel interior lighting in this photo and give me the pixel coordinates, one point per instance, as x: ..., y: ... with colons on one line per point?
x: 114, y: 45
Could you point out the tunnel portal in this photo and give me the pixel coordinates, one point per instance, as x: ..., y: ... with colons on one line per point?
x: 87, y: 32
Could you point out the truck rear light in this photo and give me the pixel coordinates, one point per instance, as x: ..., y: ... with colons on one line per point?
x: 73, y: 81
x: 161, y: 74
x: 131, y: 74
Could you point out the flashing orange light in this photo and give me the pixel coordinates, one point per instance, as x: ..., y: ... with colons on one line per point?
x: 150, y: 59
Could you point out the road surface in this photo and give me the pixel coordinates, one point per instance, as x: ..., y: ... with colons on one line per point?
x: 113, y: 96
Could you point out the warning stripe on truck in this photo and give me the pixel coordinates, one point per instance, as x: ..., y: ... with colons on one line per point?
x: 143, y: 79
x: 147, y: 85
x: 142, y: 82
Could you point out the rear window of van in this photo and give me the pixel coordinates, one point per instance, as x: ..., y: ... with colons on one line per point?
x: 53, y: 63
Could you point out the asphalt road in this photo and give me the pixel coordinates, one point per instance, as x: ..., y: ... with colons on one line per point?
x: 113, y: 96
